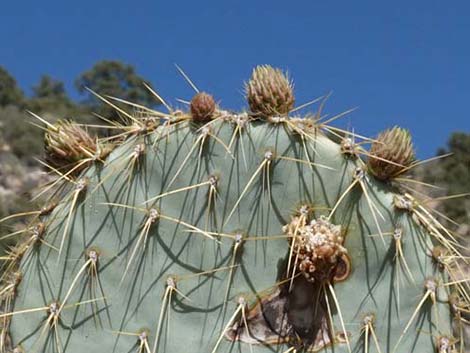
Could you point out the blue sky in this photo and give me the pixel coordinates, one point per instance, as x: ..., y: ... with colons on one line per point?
x: 400, y: 62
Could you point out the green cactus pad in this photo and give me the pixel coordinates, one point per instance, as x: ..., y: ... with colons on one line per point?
x: 235, y: 236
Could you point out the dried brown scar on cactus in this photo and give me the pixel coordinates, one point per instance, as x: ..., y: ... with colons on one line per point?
x: 287, y: 317
x: 318, y: 253
x: 298, y: 311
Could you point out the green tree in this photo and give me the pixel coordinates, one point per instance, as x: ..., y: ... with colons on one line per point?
x: 23, y: 139
x: 117, y: 79
x: 453, y: 173
x: 49, y: 96
x: 10, y: 93
x: 49, y: 87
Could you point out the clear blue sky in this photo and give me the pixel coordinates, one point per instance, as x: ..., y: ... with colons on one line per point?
x: 400, y: 62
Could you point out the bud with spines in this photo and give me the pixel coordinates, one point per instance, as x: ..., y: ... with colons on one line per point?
x: 269, y: 92
x: 202, y: 107
x: 66, y: 144
x: 391, y: 154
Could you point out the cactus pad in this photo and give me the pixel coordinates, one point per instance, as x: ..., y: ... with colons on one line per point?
x: 234, y: 234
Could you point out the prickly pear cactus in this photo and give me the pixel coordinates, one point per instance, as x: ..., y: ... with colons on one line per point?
x: 214, y: 231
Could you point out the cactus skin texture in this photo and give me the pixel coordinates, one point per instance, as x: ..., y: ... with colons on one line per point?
x: 236, y: 235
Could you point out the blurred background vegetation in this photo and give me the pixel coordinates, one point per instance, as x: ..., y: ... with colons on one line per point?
x: 21, y: 139
x: 21, y: 142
